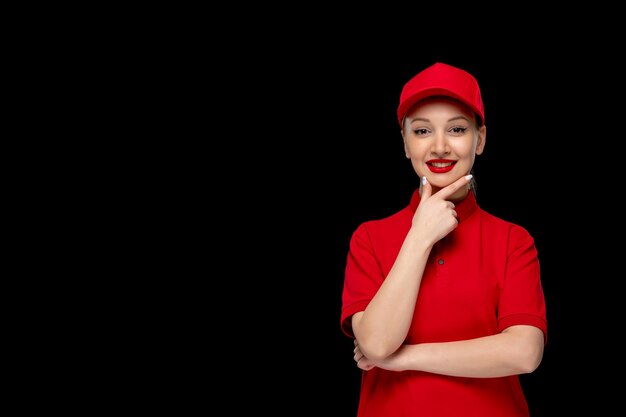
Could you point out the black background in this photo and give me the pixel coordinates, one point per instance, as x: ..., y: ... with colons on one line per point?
x: 314, y: 149
x: 242, y: 149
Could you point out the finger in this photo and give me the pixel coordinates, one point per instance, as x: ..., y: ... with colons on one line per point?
x: 447, y: 191
x: 427, y: 189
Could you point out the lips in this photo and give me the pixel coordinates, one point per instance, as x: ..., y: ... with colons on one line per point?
x: 440, y: 166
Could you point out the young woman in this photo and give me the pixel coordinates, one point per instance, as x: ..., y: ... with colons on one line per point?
x: 444, y: 300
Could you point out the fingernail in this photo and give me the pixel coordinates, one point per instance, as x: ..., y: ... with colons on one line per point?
x: 469, y: 177
x: 424, y: 180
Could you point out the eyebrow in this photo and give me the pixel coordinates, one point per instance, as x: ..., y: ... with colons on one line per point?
x: 449, y: 120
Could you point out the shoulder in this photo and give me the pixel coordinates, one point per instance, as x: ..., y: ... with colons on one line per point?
x: 389, y: 222
x: 396, y: 223
x: 514, y: 233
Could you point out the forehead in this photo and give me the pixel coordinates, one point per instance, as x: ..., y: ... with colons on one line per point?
x: 439, y: 103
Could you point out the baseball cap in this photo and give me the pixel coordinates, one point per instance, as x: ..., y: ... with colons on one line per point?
x: 442, y: 80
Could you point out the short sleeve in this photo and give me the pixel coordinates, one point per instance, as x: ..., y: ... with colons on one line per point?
x: 522, y: 298
x: 363, y: 277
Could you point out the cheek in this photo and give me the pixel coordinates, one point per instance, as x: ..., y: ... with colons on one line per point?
x: 466, y: 150
x: 416, y: 148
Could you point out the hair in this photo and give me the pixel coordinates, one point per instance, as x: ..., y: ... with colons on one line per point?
x: 472, y: 184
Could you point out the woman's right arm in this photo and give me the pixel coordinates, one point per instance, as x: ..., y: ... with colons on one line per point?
x: 384, y: 324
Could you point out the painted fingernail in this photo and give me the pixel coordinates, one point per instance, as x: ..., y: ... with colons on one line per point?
x: 469, y: 177
x: 424, y: 180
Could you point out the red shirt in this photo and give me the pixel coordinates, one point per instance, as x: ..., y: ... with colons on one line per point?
x: 480, y: 279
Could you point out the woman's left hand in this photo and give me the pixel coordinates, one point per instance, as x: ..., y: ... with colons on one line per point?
x: 391, y: 363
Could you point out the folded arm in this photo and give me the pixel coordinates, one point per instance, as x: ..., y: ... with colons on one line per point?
x: 516, y: 350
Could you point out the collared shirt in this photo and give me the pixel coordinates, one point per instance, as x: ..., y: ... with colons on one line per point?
x: 480, y: 279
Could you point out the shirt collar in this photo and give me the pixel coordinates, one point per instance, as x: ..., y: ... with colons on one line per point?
x: 464, y: 209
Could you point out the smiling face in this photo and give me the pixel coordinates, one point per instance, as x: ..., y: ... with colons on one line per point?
x: 442, y: 140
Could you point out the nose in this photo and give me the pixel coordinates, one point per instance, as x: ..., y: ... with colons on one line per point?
x: 440, y: 144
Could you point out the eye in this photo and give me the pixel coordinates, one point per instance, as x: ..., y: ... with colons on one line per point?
x: 420, y: 131
x: 458, y: 130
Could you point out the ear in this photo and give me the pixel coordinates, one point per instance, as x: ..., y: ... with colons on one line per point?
x: 482, y: 138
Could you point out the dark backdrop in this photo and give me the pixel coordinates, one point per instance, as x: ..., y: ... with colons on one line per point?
x: 317, y: 151
x: 262, y: 139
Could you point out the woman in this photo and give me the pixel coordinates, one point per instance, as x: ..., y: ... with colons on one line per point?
x: 444, y: 300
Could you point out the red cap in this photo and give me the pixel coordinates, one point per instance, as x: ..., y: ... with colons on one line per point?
x: 442, y: 80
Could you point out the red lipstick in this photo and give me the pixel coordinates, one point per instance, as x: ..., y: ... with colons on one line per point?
x: 440, y: 166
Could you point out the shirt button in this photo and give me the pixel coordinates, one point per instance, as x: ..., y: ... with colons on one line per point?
x: 440, y: 261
